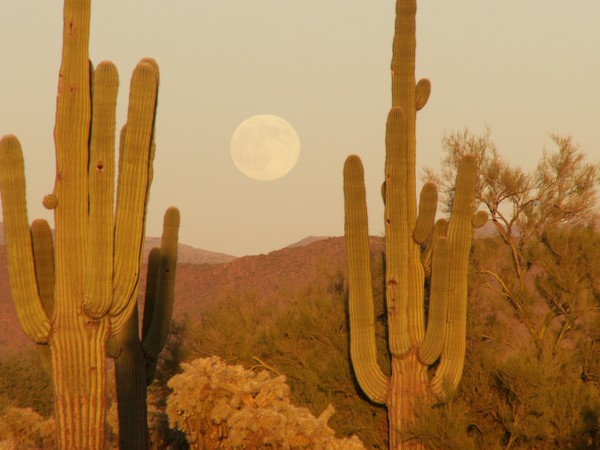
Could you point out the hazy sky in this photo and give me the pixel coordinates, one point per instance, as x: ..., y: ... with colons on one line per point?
x: 526, y: 68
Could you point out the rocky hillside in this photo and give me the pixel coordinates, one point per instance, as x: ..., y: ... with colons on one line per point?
x: 186, y: 254
x: 205, y: 277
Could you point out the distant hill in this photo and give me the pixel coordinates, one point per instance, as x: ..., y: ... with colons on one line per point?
x: 205, y: 277
x: 307, y: 240
x: 185, y: 253
x: 11, y: 336
x: 276, y: 277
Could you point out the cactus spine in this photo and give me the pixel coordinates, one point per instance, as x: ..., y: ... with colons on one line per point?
x: 135, y: 359
x: 414, y: 342
x: 97, y: 252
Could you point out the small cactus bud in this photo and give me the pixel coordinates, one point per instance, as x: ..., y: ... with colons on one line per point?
x: 50, y: 201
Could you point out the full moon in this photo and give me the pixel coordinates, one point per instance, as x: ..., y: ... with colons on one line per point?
x: 265, y: 147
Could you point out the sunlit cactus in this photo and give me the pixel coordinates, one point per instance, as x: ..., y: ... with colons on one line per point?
x: 416, y: 248
x: 98, y: 242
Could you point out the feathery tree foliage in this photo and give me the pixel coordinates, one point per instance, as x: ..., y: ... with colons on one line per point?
x: 531, y: 376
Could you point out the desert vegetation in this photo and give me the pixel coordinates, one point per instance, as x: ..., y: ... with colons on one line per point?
x: 515, y: 392
x: 224, y: 406
x: 434, y: 336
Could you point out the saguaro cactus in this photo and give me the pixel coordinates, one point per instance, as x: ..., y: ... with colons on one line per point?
x: 97, y: 246
x: 415, y: 249
x: 135, y: 359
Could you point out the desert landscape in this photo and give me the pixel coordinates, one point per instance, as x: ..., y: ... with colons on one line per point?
x: 467, y: 318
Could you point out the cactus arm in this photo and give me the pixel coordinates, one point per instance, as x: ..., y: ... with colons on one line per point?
x: 480, y: 218
x: 426, y: 218
x: 132, y: 191
x: 460, y: 232
x: 363, y: 349
x: 440, y: 229
x: 99, y: 268
x: 422, y: 93
x: 21, y: 267
x: 151, y: 285
x: 396, y: 230
x: 154, y: 65
x: 43, y: 255
x: 431, y: 347
x: 157, y: 331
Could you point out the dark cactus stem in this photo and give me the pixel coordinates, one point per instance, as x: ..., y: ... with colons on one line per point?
x: 135, y: 358
x: 130, y: 376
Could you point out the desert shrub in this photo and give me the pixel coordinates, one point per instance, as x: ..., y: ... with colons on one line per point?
x: 222, y: 406
x: 524, y: 390
x: 513, y: 400
x: 544, y: 404
x: 25, y: 383
x: 304, y: 338
x: 25, y: 429
x: 446, y: 426
x: 532, y: 374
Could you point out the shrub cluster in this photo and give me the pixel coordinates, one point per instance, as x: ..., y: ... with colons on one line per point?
x: 24, y: 429
x: 222, y: 406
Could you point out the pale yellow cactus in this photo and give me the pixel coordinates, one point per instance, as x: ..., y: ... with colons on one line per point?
x: 416, y: 247
x: 84, y: 287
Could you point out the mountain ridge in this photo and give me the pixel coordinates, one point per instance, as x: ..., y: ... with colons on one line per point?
x: 277, y: 277
x: 185, y: 253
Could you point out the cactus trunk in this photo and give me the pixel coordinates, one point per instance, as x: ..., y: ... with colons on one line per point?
x: 131, y: 381
x: 135, y: 358
x: 408, y: 383
x: 416, y: 248
x: 80, y: 382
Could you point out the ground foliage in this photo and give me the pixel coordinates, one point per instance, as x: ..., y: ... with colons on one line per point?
x: 303, y: 337
x: 25, y: 429
x: 530, y: 376
x: 25, y: 383
x: 532, y: 370
x: 224, y: 406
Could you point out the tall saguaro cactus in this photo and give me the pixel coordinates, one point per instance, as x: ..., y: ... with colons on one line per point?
x: 97, y: 245
x: 135, y: 358
x: 416, y: 248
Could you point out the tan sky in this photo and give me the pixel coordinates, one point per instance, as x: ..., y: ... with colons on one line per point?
x: 526, y: 68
